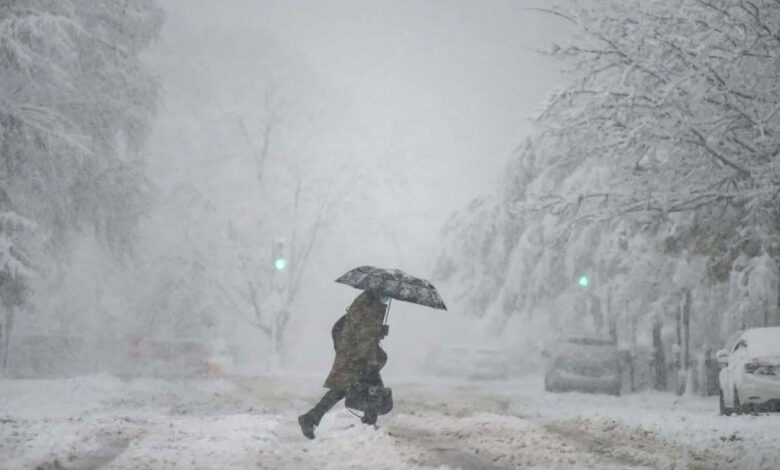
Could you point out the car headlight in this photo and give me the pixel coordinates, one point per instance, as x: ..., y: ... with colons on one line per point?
x: 757, y: 368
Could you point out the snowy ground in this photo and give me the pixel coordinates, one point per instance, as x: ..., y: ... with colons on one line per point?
x: 233, y: 423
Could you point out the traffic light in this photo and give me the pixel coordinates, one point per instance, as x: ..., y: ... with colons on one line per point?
x: 583, y: 281
x: 280, y: 255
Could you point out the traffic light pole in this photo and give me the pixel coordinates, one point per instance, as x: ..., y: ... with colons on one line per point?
x: 279, y: 281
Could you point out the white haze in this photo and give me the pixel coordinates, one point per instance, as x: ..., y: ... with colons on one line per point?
x: 423, y: 100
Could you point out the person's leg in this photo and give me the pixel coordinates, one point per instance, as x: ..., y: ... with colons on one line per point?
x: 327, y: 402
x: 370, y: 415
x: 312, y: 417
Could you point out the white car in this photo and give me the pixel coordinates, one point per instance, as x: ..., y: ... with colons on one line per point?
x: 750, y: 377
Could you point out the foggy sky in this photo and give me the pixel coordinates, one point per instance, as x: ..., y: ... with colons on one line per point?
x: 452, y: 82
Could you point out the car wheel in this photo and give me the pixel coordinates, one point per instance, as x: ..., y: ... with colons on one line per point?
x: 737, y: 404
x: 723, y: 410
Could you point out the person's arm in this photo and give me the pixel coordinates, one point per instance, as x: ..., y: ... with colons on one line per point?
x: 368, y: 332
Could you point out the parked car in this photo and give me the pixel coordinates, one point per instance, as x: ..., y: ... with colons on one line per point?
x: 475, y: 363
x: 584, y: 364
x: 750, y: 377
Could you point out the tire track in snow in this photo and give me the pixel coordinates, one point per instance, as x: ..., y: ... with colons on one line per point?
x: 487, y: 441
x: 637, y: 447
x: 442, y: 450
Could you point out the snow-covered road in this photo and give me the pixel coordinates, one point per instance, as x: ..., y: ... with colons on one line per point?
x: 233, y: 423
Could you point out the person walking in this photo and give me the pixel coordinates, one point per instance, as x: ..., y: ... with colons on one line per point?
x: 359, y: 358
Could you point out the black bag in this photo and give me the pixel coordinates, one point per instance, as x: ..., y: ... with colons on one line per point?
x: 362, y: 396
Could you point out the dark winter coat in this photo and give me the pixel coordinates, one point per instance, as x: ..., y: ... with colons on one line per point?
x: 356, y: 339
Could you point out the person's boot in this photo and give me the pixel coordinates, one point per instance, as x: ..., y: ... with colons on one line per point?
x: 307, y: 425
x: 369, y: 417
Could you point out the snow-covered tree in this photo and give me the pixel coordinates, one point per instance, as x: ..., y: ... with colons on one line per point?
x: 75, y: 110
x: 678, y: 98
x: 679, y: 101
x: 15, y: 270
x: 658, y: 159
x: 75, y: 107
x: 259, y: 164
x: 288, y: 196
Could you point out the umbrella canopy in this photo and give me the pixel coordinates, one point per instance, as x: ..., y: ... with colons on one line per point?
x: 394, y: 283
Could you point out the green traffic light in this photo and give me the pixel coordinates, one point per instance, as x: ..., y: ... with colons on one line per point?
x: 583, y: 281
x: 280, y: 264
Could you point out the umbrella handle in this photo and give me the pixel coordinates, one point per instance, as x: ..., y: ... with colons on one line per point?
x: 387, y: 311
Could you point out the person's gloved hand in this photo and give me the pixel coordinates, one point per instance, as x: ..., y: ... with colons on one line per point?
x: 385, y: 330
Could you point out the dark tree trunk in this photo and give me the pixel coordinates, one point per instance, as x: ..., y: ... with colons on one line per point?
x: 685, y: 351
x: 611, y: 318
x: 5, y: 336
x: 597, y: 313
x: 659, y: 357
x: 686, y: 324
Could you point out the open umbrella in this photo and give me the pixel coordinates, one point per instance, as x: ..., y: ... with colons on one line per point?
x: 394, y: 283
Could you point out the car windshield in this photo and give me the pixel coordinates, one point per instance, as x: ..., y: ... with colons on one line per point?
x: 763, y: 341
x: 732, y: 341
